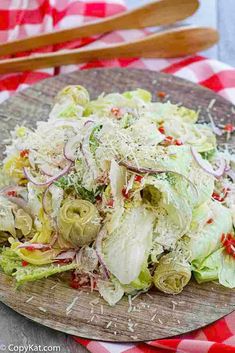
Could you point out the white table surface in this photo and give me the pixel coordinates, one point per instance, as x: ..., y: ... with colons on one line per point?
x: 17, y: 330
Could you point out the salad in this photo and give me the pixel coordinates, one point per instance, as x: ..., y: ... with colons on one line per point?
x: 123, y: 193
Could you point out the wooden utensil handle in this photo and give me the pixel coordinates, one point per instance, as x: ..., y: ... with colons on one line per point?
x: 172, y: 43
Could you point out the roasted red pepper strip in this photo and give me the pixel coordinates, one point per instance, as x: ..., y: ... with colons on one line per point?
x: 110, y: 203
x: 228, y: 242
x: 161, y: 130
x: 24, y: 153
x: 229, y: 128
x: 221, y: 197
x: 210, y: 221
x: 161, y: 94
x: 116, y: 112
x: 125, y: 193
x: 24, y: 263
x: 178, y: 143
x: 138, y: 178
x: 12, y: 193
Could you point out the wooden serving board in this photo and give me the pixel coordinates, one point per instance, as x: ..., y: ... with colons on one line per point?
x: 151, y: 316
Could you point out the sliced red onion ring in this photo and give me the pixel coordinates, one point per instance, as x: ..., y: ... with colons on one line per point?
x: 98, y: 249
x: 66, y: 255
x: 217, y: 131
x: 70, y: 148
x: 35, y: 246
x: 208, y: 169
x: 50, y: 180
x: 88, y: 122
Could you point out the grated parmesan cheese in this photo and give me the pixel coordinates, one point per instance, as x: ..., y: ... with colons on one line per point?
x: 55, y: 285
x: 109, y: 324
x: 29, y: 300
x: 102, y: 309
x: 94, y: 301
x: 211, y: 104
x: 134, y: 337
x: 69, y: 308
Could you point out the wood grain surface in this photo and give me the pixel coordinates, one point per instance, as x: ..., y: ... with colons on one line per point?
x: 197, y: 306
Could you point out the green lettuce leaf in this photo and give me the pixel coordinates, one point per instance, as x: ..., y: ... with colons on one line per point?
x: 111, y: 290
x: 227, y: 271
x: 128, y: 246
x: 9, y: 261
x: 12, y: 265
x: 70, y: 103
x: 140, y: 94
x: 218, y: 266
x: 173, y: 210
x: 208, y: 239
x: 144, y: 280
x: 32, y: 273
x: 209, y: 269
x: 187, y: 115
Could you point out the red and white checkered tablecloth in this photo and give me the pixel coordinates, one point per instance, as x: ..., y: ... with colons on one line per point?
x: 20, y: 18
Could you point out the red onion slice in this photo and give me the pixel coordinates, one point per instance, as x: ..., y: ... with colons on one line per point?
x: 98, y: 249
x: 208, y: 169
x: 217, y: 131
x: 34, y: 246
x: 70, y: 148
x: 88, y: 122
x: 50, y: 180
x: 66, y: 255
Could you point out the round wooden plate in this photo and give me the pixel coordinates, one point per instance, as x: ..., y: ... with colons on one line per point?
x: 151, y: 316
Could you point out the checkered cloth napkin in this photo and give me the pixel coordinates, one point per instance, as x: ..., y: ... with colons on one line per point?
x: 20, y: 18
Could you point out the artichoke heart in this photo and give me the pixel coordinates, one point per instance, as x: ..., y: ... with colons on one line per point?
x: 171, y: 274
x: 78, y: 222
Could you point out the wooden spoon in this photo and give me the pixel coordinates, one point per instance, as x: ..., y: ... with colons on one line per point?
x: 168, y: 44
x: 157, y: 13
